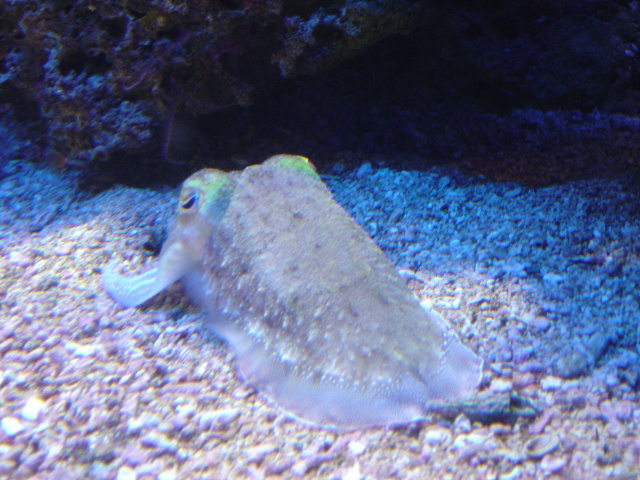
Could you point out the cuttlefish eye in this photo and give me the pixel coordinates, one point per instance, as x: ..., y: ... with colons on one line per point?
x: 189, y: 203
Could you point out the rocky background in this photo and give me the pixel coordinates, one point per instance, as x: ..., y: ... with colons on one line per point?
x: 534, y: 91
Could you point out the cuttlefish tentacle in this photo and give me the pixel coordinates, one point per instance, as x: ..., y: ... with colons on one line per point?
x: 134, y: 290
x: 204, y: 198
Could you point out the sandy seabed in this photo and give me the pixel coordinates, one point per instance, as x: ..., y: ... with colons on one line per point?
x: 540, y: 282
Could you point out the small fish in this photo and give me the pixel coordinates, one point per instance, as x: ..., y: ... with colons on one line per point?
x: 318, y: 318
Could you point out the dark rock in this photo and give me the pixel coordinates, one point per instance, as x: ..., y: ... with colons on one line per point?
x: 571, y: 364
x: 109, y: 79
x: 596, y: 345
x: 631, y: 376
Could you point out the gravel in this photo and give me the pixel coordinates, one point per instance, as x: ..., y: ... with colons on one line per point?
x: 541, y: 282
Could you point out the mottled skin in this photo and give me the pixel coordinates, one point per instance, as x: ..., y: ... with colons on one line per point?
x: 317, y: 316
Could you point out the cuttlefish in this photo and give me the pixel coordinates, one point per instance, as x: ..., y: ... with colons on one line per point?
x: 318, y: 318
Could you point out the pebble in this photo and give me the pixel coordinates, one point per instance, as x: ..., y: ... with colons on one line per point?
x: 301, y: 468
x: 501, y: 385
x: 437, y: 436
x: 364, y: 169
x: 32, y: 409
x: 168, y: 475
x: 617, y: 411
x: 541, y: 445
x: 159, y: 441
x: 520, y: 355
x: 357, y: 447
x: 20, y: 259
x: 462, y: 424
x: 279, y: 466
x: 353, y: 473
x: 11, y: 426
x: 134, y: 456
x: 34, y: 461
x: 543, y: 420
x: 218, y: 418
x: 256, y: 454
x: 126, y: 473
x: 500, y: 429
x: 551, y: 383
x: 596, y: 345
x: 624, y: 410
x: 515, y: 269
x: 536, y: 321
x: 82, y: 350
x: 186, y: 409
x: 462, y: 441
x: 515, y: 192
x: 469, y: 445
x: 144, y: 421
x: 551, y: 464
x: 513, y: 474
x: 571, y: 364
x: 63, y: 249
x: 523, y: 380
x: 552, y: 278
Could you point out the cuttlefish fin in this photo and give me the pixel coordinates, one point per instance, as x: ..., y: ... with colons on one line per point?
x: 134, y: 290
x: 459, y: 370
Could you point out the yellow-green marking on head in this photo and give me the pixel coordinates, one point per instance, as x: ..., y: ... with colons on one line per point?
x: 294, y: 163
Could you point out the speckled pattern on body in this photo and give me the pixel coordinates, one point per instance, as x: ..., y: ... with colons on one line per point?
x: 328, y: 329
x: 533, y: 278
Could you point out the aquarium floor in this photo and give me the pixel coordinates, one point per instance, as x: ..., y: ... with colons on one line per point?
x: 541, y: 282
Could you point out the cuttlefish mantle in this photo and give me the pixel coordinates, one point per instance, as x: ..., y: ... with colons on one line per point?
x: 318, y: 318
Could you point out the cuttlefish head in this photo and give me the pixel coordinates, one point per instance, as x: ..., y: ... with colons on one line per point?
x: 203, y: 201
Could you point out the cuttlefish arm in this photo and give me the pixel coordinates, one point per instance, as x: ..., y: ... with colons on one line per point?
x: 204, y: 199
x: 131, y: 291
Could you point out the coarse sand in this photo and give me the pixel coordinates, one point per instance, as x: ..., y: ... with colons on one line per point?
x: 541, y: 282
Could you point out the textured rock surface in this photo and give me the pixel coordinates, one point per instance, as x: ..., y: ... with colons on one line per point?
x: 107, y: 78
x: 509, y: 88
